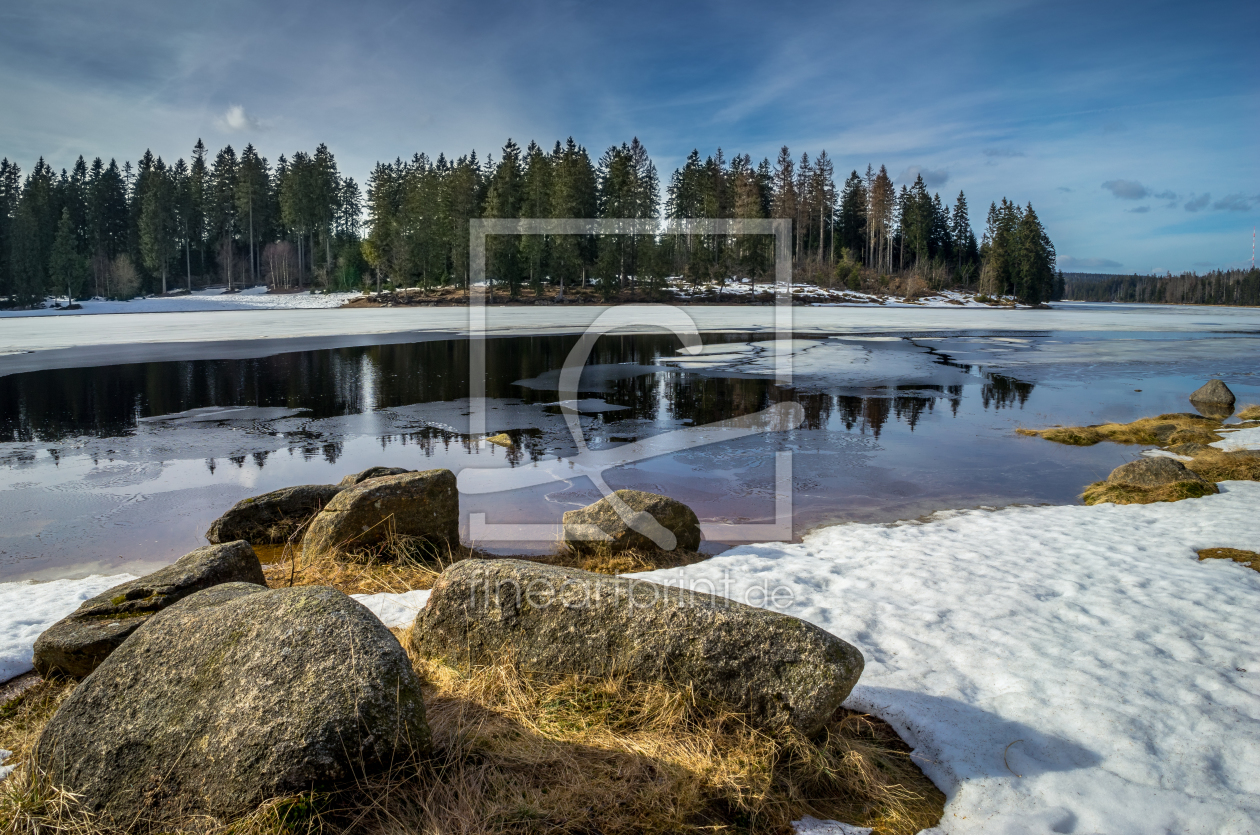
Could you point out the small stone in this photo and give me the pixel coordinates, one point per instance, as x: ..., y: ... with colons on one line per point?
x: 234, y: 696
x: 75, y: 645
x: 670, y: 525
x: 271, y: 517
x: 562, y: 621
x: 503, y: 439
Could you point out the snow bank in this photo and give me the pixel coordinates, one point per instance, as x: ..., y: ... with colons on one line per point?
x: 1066, y: 669
x: 397, y: 611
x: 199, y: 301
x: 1238, y: 439
x: 30, y: 608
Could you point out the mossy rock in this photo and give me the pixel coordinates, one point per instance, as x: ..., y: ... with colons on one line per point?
x: 231, y: 697
x: 75, y: 645
x: 556, y: 621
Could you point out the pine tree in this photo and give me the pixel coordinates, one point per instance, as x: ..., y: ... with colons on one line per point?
x: 158, y: 221
x: 67, y: 267
x: 10, y: 191
x: 504, y: 197
x: 960, y: 229
x: 221, y: 213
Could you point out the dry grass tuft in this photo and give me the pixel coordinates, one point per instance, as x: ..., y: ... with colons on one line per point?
x: 1248, y: 558
x: 1221, y: 465
x: 1249, y: 412
x: 1165, y: 430
x: 600, y: 558
x: 23, y: 717
x: 401, y: 563
x: 1104, y: 491
x: 522, y: 754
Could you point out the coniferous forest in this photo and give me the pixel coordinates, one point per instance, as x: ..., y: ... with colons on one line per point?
x: 116, y: 231
x: 1228, y: 287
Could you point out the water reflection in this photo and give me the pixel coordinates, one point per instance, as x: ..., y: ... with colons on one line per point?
x: 295, y: 399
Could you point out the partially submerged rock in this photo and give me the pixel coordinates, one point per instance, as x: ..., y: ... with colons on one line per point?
x: 371, y: 472
x: 503, y: 439
x: 1147, y: 473
x: 77, y: 644
x: 562, y: 621
x: 231, y: 697
x: 424, y: 505
x: 271, y: 517
x: 664, y: 523
x: 1213, y: 392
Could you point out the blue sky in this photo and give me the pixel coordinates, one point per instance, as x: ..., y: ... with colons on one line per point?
x: 1131, y: 127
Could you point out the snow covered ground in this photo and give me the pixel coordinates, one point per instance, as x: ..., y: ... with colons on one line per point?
x: 199, y: 301
x: 27, y: 609
x: 1236, y: 439
x: 1057, y: 669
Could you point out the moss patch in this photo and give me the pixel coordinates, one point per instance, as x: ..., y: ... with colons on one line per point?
x: 1101, y: 492
x: 1248, y: 558
x: 1164, y: 430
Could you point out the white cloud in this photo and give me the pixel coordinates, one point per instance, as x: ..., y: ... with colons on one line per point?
x: 236, y: 119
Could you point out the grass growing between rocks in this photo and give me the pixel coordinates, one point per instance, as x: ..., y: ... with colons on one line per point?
x: 1164, y: 430
x: 517, y: 754
x: 1101, y: 492
x: 1248, y: 558
x: 1249, y: 412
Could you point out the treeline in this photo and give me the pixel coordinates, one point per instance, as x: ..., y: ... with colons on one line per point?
x: 1230, y: 287
x: 111, y: 231
x: 857, y: 235
x: 104, y: 230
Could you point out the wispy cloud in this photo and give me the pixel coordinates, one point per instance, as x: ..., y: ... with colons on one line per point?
x: 1139, y: 210
x: 932, y: 177
x: 1126, y: 189
x: 1064, y: 189
x: 1195, y: 204
x: 1237, y: 202
x: 1070, y: 264
x: 1166, y: 195
x: 236, y: 119
x: 1003, y: 153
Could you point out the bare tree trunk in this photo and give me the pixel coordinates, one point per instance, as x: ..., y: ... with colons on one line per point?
x: 253, y: 273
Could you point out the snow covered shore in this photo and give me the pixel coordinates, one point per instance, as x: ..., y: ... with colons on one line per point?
x: 1057, y: 669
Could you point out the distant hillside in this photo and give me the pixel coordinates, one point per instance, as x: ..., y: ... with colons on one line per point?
x: 1235, y: 287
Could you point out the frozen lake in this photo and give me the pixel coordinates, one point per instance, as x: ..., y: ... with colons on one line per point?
x: 123, y: 436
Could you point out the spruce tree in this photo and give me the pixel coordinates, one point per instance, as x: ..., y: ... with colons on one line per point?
x: 67, y: 267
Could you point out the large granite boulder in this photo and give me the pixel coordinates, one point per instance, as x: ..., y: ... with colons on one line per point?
x: 423, y: 505
x: 233, y: 696
x: 271, y: 517
x: 370, y: 472
x: 562, y: 621
x: 1148, y: 473
x: 75, y: 645
x: 1215, y: 393
x: 659, y: 522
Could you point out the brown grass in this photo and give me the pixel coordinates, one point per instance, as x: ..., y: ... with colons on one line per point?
x: 1221, y: 465
x: 598, y: 557
x: 1248, y: 558
x: 1164, y: 430
x: 401, y: 563
x: 519, y: 754
x: 1249, y: 412
x: 1102, y: 491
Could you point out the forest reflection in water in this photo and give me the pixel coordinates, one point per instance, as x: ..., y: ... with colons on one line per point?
x: 291, y: 397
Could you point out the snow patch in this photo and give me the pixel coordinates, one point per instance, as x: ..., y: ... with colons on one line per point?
x: 1055, y: 668
x: 396, y: 610
x: 1238, y: 439
x: 30, y: 608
